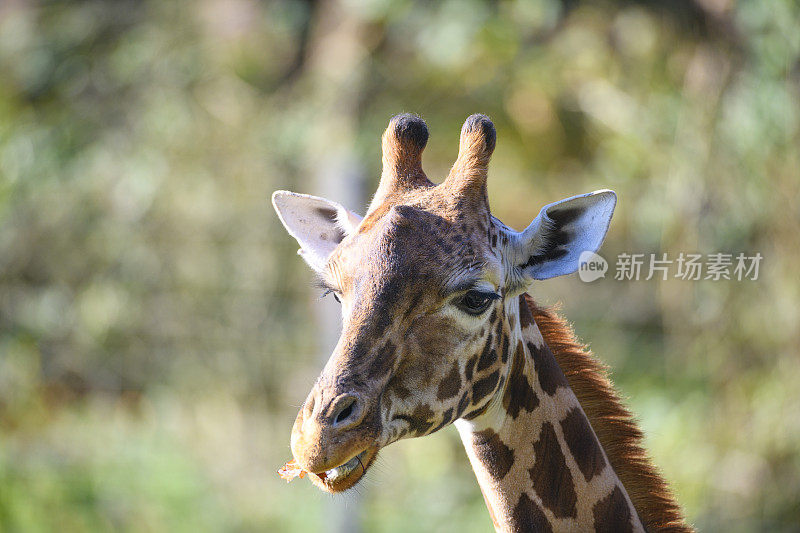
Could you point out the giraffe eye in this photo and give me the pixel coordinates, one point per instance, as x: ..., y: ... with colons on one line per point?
x: 330, y: 291
x: 476, y: 302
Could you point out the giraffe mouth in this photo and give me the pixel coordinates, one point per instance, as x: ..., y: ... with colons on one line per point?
x: 347, y: 474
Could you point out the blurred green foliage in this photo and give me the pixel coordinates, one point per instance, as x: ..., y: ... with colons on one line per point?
x: 157, y: 332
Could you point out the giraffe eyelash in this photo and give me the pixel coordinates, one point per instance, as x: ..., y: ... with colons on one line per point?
x: 330, y: 291
x: 326, y: 289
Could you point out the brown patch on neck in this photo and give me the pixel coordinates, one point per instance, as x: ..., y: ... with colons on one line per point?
x: 493, y: 453
x: 551, y: 477
x: 519, y: 394
x: 527, y: 516
x: 484, y: 386
x: 549, y: 373
x: 582, y: 445
x: 525, y: 316
x: 612, y: 514
x: 613, y: 424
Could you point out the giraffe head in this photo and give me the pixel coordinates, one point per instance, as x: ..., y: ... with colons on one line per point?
x: 423, y: 280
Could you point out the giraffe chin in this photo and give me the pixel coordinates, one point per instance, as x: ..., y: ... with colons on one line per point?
x: 346, y: 475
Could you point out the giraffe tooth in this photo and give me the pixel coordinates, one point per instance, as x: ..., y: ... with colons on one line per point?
x: 344, y: 468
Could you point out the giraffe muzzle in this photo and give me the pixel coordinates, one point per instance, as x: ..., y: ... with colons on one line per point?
x: 335, y: 440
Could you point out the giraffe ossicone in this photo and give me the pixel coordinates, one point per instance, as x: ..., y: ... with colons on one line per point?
x: 438, y: 329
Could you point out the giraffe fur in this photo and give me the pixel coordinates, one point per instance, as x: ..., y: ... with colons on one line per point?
x: 438, y: 329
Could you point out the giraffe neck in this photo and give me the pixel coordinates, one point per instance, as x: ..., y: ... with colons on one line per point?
x: 539, y: 464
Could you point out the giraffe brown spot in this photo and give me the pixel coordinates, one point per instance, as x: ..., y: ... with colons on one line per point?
x: 420, y: 421
x: 525, y: 316
x: 484, y: 386
x: 477, y: 412
x: 463, y: 403
x: 504, y: 350
x: 493, y: 453
x: 381, y: 362
x: 498, y: 328
x: 612, y: 514
x: 469, y: 368
x: 386, y: 401
x: 583, y: 444
x: 528, y: 516
x: 550, y: 375
x: 551, y: 477
x: 450, y: 385
x: 489, y: 355
x: 397, y: 387
x: 519, y: 394
x: 447, y: 417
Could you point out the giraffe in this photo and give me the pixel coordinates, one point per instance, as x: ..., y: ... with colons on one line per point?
x: 439, y: 328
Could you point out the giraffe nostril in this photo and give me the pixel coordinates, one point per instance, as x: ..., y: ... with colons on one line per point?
x: 346, y: 412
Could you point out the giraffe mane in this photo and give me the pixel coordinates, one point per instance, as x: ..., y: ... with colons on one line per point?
x: 615, y: 426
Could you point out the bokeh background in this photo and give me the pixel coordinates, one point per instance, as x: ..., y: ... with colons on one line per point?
x: 158, y: 333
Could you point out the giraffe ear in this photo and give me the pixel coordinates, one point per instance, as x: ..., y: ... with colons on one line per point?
x: 552, y: 244
x: 318, y: 225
